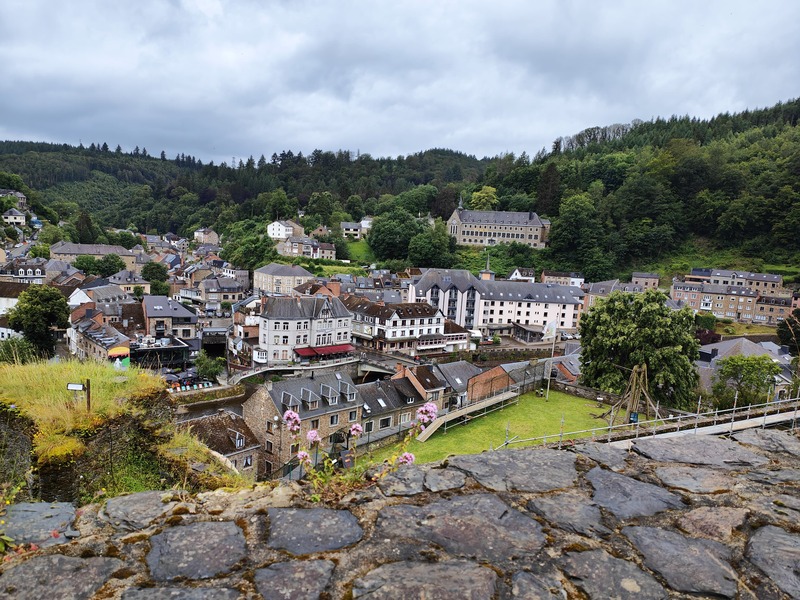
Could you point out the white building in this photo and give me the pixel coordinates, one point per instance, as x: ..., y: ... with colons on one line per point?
x: 280, y: 230
x: 302, y: 328
x: 409, y: 327
x: 495, y: 306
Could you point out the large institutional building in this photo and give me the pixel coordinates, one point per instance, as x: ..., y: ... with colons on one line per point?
x: 489, y: 227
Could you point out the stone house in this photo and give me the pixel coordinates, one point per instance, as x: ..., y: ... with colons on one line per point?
x: 128, y: 280
x: 206, y: 236
x: 328, y: 403
x: 487, y: 228
x: 276, y: 278
x: 646, y: 281
x: 228, y: 434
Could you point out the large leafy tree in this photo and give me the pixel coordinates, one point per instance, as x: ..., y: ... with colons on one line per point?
x: 432, y: 248
x: 110, y: 264
x: 39, y: 309
x: 484, y: 199
x: 626, y: 330
x: 154, y: 271
x: 748, y: 378
x: 391, y: 234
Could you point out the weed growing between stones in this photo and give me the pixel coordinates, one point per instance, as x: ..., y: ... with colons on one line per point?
x: 329, y: 481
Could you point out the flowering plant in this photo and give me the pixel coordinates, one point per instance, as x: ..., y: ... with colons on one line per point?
x: 292, y: 420
x: 313, y: 437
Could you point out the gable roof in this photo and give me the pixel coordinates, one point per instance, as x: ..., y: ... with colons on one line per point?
x: 302, y: 307
x: 297, y: 394
x: 280, y: 270
x: 219, y: 432
x: 457, y: 374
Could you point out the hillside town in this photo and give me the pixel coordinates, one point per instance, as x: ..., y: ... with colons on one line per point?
x: 342, y: 348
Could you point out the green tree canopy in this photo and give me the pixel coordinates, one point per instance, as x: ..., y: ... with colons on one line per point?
x: 391, y: 234
x: 626, y: 330
x: 208, y: 367
x: 154, y: 271
x: 159, y: 288
x: 110, y: 264
x: 39, y: 251
x: 484, y: 199
x: 749, y: 378
x: 86, y: 263
x: 432, y: 248
x: 38, y: 310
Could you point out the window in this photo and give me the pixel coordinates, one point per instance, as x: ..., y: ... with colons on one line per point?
x: 369, y: 426
x: 270, y: 426
x: 334, y: 420
x: 268, y: 446
x: 294, y: 448
x: 315, y: 422
x: 248, y: 462
x: 385, y: 423
x: 352, y: 415
x: 286, y: 326
x: 405, y: 417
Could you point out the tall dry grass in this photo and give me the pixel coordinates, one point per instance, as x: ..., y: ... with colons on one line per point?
x: 39, y: 392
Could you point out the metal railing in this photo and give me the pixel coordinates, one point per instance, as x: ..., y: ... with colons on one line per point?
x: 672, y: 423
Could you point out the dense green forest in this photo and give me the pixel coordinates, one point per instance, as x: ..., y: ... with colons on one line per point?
x: 619, y: 197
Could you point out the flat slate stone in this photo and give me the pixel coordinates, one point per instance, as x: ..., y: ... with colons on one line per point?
x: 307, y: 530
x: 41, y: 523
x: 298, y: 580
x: 136, y: 511
x: 698, y: 480
x: 57, y: 576
x: 602, y: 576
x: 774, y: 476
x: 177, y: 593
x: 628, y: 498
x: 449, y: 580
x: 407, y: 480
x: 699, y: 450
x: 715, y: 522
x: 532, y: 470
x: 569, y: 511
x: 603, y: 454
x: 196, y: 551
x: 777, y: 553
x: 536, y: 586
x: 771, y: 440
x: 479, y: 525
x: 695, y: 566
x: 440, y: 480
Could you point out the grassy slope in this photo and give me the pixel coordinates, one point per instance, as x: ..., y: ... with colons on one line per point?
x: 39, y: 392
x: 361, y: 253
x: 531, y: 417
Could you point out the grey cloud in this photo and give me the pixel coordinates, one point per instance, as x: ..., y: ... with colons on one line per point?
x: 221, y: 78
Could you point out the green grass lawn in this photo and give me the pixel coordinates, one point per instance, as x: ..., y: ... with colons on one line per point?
x: 360, y: 252
x: 531, y: 417
x: 745, y: 329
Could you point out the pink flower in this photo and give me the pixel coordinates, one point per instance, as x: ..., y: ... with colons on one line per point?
x: 427, y: 413
x: 313, y: 437
x: 406, y: 459
x: 356, y: 430
x: 292, y: 420
x: 303, y: 456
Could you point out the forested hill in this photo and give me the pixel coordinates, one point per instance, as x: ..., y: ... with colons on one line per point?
x: 618, y: 196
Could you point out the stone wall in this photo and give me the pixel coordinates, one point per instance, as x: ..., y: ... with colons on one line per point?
x: 690, y: 516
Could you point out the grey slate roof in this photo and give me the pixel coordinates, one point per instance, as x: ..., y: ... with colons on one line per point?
x: 380, y: 397
x: 457, y: 374
x: 161, y: 306
x: 296, y: 394
x: 501, y: 217
x: 279, y: 270
x: 302, y: 307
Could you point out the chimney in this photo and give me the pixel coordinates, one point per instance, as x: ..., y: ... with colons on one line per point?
x: 335, y: 287
x: 268, y: 385
x: 398, y: 368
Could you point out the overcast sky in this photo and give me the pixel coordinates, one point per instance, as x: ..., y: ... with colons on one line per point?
x: 219, y: 79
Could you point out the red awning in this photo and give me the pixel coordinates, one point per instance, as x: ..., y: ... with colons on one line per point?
x: 338, y: 349
x: 305, y: 352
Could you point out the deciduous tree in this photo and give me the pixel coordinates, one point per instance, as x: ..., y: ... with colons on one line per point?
x: 626, y: 330
x: 38, y: 310
x: 747, y: 377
